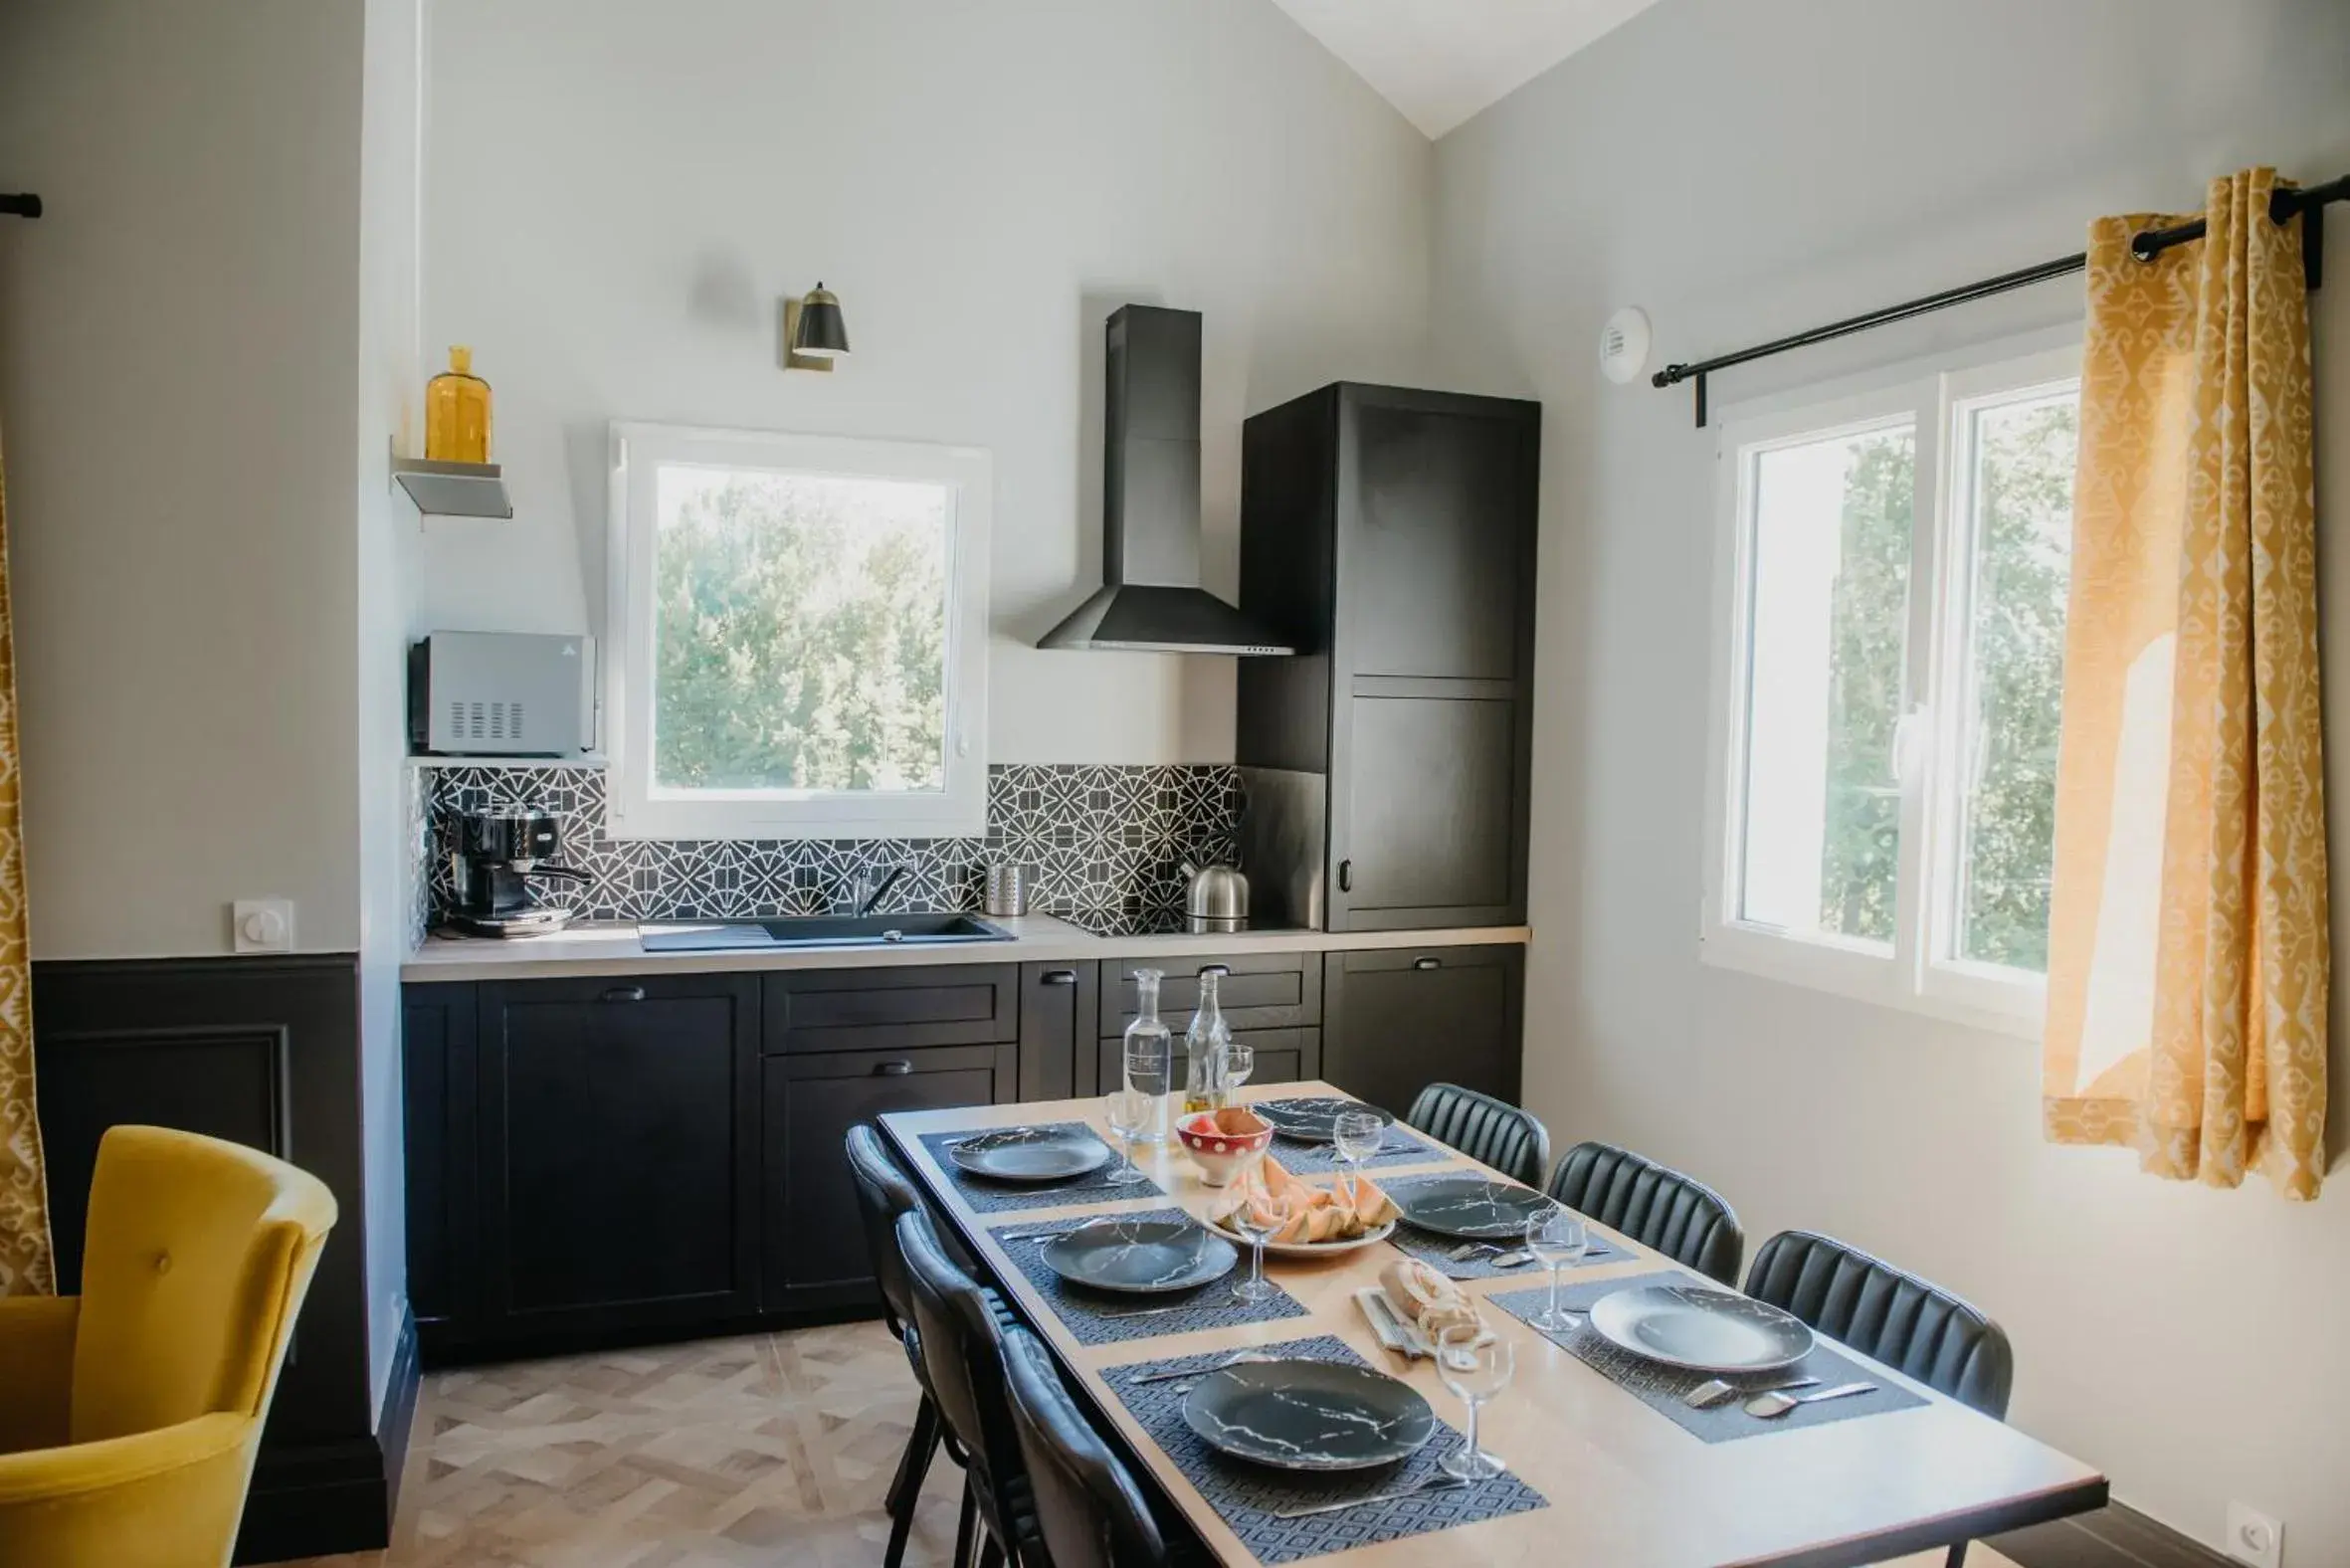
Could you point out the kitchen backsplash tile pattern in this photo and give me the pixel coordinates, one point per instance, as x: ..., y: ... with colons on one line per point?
x: 1099, y: 838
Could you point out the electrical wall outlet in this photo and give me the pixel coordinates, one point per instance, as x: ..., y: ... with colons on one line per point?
x: 262, y: 926
x: 2254, y: 1537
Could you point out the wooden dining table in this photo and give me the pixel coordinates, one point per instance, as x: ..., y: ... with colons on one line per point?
x: 1622, y: 1485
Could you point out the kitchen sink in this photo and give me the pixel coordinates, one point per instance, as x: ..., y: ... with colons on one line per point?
x: 817, y: 930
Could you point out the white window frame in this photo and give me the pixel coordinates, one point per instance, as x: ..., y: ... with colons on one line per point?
x: 1919, y: 973
x: 634, y: 808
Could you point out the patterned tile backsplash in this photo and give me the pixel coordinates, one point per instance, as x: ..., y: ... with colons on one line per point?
x: 1099, y: 838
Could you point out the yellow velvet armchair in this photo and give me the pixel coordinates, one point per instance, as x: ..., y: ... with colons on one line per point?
x: 130, y: 1414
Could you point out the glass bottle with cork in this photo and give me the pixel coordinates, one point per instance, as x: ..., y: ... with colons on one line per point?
x: 457, y: 412
x: 1204, y: 1045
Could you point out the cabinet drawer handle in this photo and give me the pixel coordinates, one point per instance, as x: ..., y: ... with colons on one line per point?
x: 1220, y: 971
x: 1427, y: 963
x: 1346, y: 875
x: 623, y: 993
x: 1058, y: 977
x: 898, y: 1069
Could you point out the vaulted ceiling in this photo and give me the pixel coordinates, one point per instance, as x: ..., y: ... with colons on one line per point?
x: 1442, y: 61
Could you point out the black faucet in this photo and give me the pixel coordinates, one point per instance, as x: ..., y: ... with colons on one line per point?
x: 880, y: 891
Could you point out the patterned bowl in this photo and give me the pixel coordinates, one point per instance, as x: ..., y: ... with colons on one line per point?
x: 1223, y: 1152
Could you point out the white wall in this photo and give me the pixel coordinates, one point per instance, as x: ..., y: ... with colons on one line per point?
x: 619, y: 194
x: 1744, y: 169
x: 389, y: 538
x: 177, y: 401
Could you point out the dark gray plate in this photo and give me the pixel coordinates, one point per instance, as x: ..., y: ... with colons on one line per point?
x: 1031, y: 1153
x: 1473, y: 1207
x: 1312, y: 1121
x: 1142, y: 1256
x: 1308, y: 1415
x: 1705, y: 1329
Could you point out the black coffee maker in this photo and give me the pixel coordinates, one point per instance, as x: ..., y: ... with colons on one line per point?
x: 498, y: 856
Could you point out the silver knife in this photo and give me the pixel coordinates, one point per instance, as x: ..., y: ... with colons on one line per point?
x: 1187, y: 1307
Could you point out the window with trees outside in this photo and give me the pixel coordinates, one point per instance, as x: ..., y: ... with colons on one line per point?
x: 797, y: 636
x: 1894, y: 568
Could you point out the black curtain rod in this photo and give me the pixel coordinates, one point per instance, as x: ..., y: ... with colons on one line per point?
x: 2282, y: 205
x: 26, y: 205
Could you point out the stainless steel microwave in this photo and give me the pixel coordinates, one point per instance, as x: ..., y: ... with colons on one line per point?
x: 502, y: 695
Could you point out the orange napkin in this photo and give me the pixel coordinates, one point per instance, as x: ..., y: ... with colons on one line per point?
x: 1321, y: 1214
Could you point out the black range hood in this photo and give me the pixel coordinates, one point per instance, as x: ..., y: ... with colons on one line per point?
x: 1151, y: 599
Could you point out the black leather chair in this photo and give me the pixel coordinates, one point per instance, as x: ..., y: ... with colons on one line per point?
x: 960, y: 1329
x: 1483, y: 1129
x: 1089, y: 1513
x: 883, y: 1194
x: 1910, y: 1325
x: 1654, y: 1204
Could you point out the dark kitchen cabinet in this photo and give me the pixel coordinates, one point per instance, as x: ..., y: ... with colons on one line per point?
x: 618, y: 1152
x: 1396, y: 1020
x: 815, y: 1255
x: 1389, y: 534
x: 1055, y: 1027
x: 1283, y: 1056
x: 1273, y: 1001
x: 598, y: 1161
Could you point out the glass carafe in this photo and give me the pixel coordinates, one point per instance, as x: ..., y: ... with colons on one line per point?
x: 1204, y: 1045
x: 1150, y: 1056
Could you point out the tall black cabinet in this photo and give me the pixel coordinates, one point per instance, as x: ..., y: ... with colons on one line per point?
x: 1389, y: 534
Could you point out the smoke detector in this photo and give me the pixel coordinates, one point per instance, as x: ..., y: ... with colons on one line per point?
x: 1624, y: 345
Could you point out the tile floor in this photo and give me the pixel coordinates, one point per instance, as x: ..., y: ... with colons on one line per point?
x: 771, y: 1450
x: 768, y: 1449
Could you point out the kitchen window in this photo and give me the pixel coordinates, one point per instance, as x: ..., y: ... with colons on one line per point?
x: 798, y: 637
x: 1894, y: 566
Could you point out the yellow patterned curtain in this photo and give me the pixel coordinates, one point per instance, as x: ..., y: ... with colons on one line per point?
x: 2188, y: 948
x: 23, y: 1201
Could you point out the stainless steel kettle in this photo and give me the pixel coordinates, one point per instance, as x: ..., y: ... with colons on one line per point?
x: 1216, y: 900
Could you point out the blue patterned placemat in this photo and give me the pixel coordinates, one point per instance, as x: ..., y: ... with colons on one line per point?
x: 1247, y: 1495
x: 1094, y: 1316
x: 1403, y: 1147
x: 1431, y: 1247
x: 1664, y: 1389
x: 993, y: 1196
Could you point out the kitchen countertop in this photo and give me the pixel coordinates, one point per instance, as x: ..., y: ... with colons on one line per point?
x: 610, y: 949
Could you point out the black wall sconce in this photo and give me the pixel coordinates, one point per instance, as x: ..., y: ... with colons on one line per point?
x: 25, y: 205
x: 814, y: 331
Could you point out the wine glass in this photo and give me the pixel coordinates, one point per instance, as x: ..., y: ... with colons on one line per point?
x: 1263, y: 1216
x: 1558, y: 1237
x: 1239, y: 1060
x: 1128, y: 1111
x: 1356, y: 1135
x: 1474, y: 1372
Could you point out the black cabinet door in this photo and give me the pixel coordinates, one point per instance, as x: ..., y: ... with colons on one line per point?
x: 620, y: 1156
x: 815, y: 1242
x: 440, y: 1076
x: 1427, y: 825
x: 1436, y: 495
x: 1395, y: 1021
x: 892, y: 1009
x: 1056, y: 1020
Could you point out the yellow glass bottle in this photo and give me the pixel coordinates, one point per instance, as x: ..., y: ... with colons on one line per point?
x: 457, y: 412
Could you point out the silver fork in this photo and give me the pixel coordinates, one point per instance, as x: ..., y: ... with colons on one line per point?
x: 1440, y: 1482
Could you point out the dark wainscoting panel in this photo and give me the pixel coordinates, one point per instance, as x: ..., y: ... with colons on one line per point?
x: 264, y: 1052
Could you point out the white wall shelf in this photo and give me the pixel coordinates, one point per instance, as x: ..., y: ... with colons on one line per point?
x: 453, y: 490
